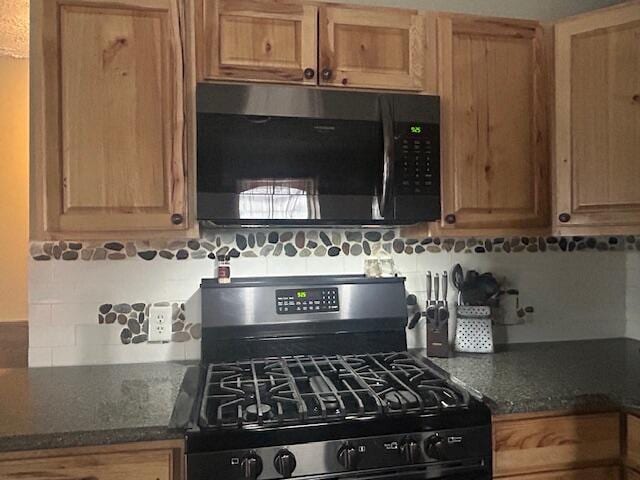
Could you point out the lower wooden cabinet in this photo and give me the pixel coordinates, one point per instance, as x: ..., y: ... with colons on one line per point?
x: 558, y: 444
x: 140, y: 461
x: 630, y: 474
x: 602, y: 473
x: 633, y: 444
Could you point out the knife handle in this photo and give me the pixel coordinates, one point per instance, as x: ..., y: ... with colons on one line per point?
x: 428, y: 287
x: 445, y: 286
x: 436, y: 287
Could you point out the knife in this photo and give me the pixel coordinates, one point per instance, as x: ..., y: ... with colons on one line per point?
x: 431, y: 309
x: 443, y: 309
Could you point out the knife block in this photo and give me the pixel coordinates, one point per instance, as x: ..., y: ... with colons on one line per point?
x: 438, y: 340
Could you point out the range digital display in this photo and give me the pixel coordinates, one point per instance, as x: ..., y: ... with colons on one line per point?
x: 312, y: 300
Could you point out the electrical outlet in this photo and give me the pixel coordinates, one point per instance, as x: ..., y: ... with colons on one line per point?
x: 160, y: 324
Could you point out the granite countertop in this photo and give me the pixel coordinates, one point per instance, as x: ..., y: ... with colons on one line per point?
x: 90, y: 405
x: 578, y: 375
x: 95, y: 405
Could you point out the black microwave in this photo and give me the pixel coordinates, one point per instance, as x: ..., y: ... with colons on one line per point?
x: 280, y: 155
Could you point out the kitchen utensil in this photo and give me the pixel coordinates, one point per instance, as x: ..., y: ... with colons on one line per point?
x: 474, y: 332
x: 414, y: 320
x: 443, y: 308
x: 457, y: 276
x: 431, y: 308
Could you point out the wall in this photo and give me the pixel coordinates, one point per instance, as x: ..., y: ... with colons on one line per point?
x: 536, y: 9
x: 88, y: 302
x: 633, y: 295
x: 14, y: 181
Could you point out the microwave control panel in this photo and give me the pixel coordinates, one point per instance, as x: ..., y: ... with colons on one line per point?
x: 307, y: 300
x: 417, y: 154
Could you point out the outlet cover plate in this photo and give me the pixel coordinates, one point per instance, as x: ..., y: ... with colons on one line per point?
x: 160, y: 324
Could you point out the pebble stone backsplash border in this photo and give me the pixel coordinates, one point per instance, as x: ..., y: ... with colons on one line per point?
x: 319, y: 243
x: 134, y: 319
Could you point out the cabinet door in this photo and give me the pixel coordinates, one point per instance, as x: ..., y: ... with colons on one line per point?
x: 600, y: 473
x: 374, y: 48
x: 258, y: 40
x: 524, y: 446
x: 495, y: 154
x: 597, y: 153
x: 108, y: 117
x: 114, y: 466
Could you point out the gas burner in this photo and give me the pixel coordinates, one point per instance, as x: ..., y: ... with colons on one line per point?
x: 398, y: 399
x: 255, y: 411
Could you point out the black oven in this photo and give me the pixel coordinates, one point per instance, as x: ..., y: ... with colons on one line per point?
x: 303, y: 156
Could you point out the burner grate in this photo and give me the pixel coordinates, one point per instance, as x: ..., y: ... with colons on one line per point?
x: 311, y: 389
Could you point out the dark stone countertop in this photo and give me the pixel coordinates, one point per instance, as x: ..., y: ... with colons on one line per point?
x: 90, y: 405
x: 537, y: 377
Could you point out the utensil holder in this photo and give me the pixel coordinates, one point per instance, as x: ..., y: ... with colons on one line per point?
x: 474, y: 331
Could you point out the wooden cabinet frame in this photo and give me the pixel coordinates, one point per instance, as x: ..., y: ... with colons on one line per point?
x: 605, y: 218
x: 465, y: 219
x: 163, y: 458
x: 49, y: 203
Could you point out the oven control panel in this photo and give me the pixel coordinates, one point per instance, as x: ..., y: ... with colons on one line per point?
x: 307, y: 300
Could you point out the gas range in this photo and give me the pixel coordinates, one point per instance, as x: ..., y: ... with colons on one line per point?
x: 308, y: 395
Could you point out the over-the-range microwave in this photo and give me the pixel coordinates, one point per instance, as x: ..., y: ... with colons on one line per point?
x: 286, y: 155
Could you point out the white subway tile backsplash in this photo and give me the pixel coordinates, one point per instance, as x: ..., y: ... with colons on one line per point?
x: 51, y: 336
x: 39, y: 356
x: 98, y: 334
x: 40, y: 314
x: 577, y: 295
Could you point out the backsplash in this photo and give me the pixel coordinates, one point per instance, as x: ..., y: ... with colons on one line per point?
x: 86, y: 298
x: 318, y: 243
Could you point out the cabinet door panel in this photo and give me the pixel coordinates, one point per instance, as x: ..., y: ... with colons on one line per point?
x: 604, y: 473
x: 110, y: 115
x: 145, y: 465
x: 598, y: 119
x: 258, y: 40
x: 374, y: 48
x: 555, y: 443
x: 495, y: 149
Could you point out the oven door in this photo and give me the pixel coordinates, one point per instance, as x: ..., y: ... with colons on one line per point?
x: 423, y: 475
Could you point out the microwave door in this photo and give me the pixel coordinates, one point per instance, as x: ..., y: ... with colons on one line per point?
x: 288, y: 170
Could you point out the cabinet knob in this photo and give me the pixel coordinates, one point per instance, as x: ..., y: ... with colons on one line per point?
x: 450, y: 219
x: 564, y: 217
x: 177, y: 219
x: 636, y: 98
x: 309, y: 73
x: 327, y: 74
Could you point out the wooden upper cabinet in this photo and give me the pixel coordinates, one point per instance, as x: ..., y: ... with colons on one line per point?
x: 597, y: 153
x: 377, y: 48
x: 108, y: 118
x: 260, y: 40
x: 495, y: 151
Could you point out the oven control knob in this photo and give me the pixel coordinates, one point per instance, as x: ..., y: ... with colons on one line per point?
x: 436, y: 447
x: 285, y: 463
x: 251, y: 466
x: 410, y: 450
x: 348, y: 456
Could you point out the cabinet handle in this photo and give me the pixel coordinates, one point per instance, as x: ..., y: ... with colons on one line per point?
x: 564, y: 217
x: 327, y: 74
x: 450, y: 219
x: 177, y: 219
x: 309, y: 73
x: 636, y: 98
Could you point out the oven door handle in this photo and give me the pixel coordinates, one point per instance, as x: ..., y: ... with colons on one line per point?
x: 386, y: 110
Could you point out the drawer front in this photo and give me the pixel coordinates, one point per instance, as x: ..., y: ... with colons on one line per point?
x: 603, y: 473
x: 633, y: 441
x: 143, y: 465
x: 555, y: 443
